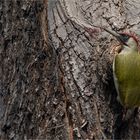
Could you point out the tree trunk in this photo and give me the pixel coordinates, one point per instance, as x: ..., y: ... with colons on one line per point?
x: 56, y: 73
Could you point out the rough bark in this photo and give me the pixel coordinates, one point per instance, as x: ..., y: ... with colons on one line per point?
x: 86, y: 62
x: 56, y: 82
x: 26, y: 70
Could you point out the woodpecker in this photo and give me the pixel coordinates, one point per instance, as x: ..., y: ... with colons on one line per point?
x: 126, y: 69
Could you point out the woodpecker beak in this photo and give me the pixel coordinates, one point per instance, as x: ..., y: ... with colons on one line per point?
x: 117, y: 35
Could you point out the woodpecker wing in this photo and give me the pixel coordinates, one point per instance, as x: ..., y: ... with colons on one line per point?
x: 127, y: 78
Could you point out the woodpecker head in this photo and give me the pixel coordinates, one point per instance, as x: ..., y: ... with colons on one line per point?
x: 128, y: 40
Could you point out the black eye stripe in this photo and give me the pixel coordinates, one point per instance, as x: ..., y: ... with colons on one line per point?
x: 125, y: 37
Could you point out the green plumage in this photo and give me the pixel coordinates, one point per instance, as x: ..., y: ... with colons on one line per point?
x: 127, y: 78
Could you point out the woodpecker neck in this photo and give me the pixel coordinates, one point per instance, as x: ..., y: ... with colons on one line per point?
x: 127, y: 49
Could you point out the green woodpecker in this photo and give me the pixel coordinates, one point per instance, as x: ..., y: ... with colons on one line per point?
x: 126, y: 70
